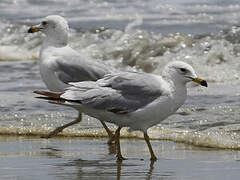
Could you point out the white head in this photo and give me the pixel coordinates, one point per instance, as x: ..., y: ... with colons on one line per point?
x: 181, y: 72
x: 56, y: 29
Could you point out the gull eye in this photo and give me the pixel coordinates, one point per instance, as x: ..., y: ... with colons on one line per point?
x: 183, y: 70
x: 44, y: 23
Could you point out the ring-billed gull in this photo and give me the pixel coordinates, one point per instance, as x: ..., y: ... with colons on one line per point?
x: 131, y: 99
x: 60, y: 64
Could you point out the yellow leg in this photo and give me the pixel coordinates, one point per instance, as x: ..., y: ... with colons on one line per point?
x: 60, y: 128
x: 153, y: 157
x: 111, y: 136
x: 117, y: 141
x: 78, y: 120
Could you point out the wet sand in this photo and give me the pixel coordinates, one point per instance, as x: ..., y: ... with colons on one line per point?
x: 87, y: 158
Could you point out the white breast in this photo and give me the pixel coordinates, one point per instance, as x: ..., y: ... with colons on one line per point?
x: 158, y: 110
x: 48, y: 73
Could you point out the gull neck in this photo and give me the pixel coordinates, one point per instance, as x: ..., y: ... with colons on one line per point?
x: 61, y: 41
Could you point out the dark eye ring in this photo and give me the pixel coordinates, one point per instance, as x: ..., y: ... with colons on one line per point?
x: 44, y: 23
x: 183, y: 70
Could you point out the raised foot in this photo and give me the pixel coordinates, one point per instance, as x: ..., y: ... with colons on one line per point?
x: 53, y: 133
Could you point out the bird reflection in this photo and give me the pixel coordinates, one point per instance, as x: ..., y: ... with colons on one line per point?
x: 104, y: 169
x: 51, y: 152
x: 119, y: 167
x: 150, y: 171
x: 112, y: 148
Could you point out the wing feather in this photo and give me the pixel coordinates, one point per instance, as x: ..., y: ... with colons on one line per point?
x: 120, y: 93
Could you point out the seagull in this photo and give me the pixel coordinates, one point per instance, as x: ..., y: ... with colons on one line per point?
x: 130, y: 99
x: 60, y: 64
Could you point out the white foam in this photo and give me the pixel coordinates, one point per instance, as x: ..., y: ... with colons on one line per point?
x: 212, y: 138
x: 16, y: 44
x: 214, y: 57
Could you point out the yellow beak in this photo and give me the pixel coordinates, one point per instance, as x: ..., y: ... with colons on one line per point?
x: 200, y: 81
x: 34, y: 29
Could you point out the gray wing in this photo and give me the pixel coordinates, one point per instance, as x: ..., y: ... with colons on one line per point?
x: 119, y: 93
x: 79, y: 71
x: 129, y: 83
x: 72, y: 67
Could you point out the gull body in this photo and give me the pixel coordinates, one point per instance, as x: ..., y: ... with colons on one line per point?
x: 131, y: 99
x: 60, y: 64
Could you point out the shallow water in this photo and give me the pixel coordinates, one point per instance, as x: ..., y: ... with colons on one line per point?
x: 79, y: 158
x: 140, y: 35
x: 210, y: 116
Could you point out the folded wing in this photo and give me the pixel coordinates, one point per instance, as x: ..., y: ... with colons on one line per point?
x: 119, y: 93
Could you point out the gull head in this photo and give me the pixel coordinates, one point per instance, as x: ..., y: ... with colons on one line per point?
x: 181, y: 72
x: 54, y: 27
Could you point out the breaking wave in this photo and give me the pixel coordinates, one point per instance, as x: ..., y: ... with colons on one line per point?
x: 214, y: 56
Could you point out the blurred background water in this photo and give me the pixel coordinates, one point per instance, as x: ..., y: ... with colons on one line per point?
x: 141, y: 35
